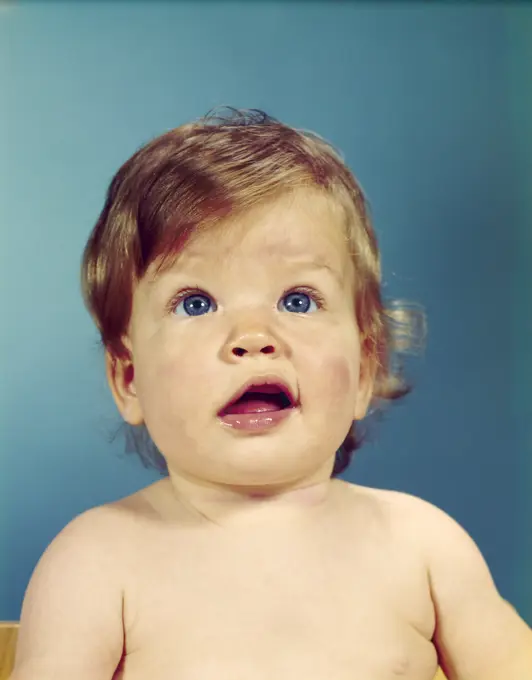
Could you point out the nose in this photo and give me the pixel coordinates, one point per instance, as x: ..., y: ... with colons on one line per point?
x: 251, y: 341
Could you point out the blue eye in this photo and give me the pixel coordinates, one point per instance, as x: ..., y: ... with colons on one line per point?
x: 301, y: 301
x: 194, y: 305
x: 198, y: 303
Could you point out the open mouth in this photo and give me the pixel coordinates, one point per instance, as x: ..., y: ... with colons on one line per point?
x: 258, y: 398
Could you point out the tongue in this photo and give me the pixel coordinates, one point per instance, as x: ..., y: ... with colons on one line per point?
x: 255, y: 403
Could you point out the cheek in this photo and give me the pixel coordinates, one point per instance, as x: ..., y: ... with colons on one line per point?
x: 174, y: 380
x: 341, y: 380
x: 159, y: 376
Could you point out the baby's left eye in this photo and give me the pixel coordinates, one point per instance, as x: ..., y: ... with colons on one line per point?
x: 300, y: 301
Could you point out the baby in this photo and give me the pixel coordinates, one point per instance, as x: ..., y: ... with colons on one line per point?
x: 234, y: 277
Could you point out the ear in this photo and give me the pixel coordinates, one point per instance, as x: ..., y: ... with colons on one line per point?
x: 121, y: 378
x: 366, y: 384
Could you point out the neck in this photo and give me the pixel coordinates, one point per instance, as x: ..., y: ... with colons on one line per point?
x: 286, y: 505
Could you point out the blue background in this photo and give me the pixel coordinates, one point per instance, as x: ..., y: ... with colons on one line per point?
x: 430, y: 104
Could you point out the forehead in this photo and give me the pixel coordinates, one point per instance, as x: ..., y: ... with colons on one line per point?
x: 302, y: 227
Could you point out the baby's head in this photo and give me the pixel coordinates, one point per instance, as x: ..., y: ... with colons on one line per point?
x: 232, y: 248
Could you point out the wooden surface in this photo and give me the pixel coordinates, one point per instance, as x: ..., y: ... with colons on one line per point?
x: 8, y: 641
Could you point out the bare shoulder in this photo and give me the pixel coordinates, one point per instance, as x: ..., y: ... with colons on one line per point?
x: 93, y: 531
x: 77, y: 601
x: 447, y: 547
x: 105, y: 529
x: 400, y: 501
x: 71, y: 618
x: 419, y: 523
x: 403, y: 509
x: 478, y: 634
x: 94, y: 524
x: 440, y: 534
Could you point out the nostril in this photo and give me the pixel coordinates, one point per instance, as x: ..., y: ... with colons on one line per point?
x: 240, y: 351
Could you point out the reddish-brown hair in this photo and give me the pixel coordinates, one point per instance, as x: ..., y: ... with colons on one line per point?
x: 191, y: 179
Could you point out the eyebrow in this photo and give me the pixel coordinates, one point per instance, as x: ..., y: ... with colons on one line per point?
x: 320, y: 264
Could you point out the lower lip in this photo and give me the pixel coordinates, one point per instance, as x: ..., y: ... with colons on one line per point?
x: 257, y: 421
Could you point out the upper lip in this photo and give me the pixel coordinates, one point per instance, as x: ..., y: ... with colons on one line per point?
x: 259, y: 381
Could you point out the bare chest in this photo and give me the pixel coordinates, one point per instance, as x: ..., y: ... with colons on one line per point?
x: 256, y: 607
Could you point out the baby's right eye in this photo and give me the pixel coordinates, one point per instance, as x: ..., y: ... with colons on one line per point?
x: 194, y: 303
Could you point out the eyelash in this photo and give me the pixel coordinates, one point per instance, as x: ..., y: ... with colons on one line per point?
x: 311, y: 292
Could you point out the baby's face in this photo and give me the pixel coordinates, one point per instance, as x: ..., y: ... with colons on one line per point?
x: 247, y: 315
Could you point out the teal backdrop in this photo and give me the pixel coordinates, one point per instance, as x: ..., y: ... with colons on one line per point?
x: 431, y: 104
x: 520, y: 72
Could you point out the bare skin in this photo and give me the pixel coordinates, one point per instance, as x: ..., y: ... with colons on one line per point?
x: 335, y: 593
x: 197, y: 577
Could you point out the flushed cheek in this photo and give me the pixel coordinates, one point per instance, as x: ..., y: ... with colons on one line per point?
x: 328, y: 401
x: 338, y: 383
x: 329, y: 387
